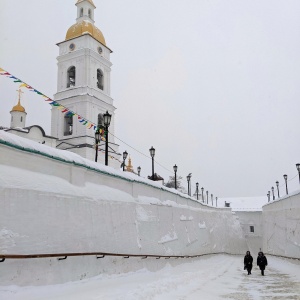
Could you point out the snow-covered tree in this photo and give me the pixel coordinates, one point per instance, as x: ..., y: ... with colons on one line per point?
x: 171, y: 183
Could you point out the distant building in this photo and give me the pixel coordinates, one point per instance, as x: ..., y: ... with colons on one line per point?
x: 129, y: 167
x: 249, y: 213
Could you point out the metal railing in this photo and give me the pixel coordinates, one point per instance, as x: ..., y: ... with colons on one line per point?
x: 63, y: 256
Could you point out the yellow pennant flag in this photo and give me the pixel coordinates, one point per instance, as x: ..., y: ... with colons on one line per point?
x: 23, y: 85
x: 1, y: 70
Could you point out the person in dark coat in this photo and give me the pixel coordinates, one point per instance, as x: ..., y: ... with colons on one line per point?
x: 248, y: 260
x: 262, y: 262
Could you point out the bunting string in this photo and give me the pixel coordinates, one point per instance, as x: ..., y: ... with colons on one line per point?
x: 112, y: 157
x: 63, y: 109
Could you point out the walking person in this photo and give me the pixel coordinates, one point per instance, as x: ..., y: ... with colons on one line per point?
x: 262, y: 262
x: 248, y: 260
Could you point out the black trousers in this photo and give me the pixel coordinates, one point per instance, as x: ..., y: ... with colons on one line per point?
x: 262, y: 270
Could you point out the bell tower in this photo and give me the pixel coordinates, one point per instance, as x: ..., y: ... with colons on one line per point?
x: 83, y: 86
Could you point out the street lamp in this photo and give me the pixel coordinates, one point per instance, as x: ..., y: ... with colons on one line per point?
x: 197, y: 190
x: 277, y: 185
x: 206, y: 197
x: 106, y: 121
x: 272, y: 188
x: 188, y: 180
x: 202, y: 189
x: 268, y: 196
x: 152, y: 154
x: 175, y: 171
x: 298, y: 168
x: 125, y: 154
x: 97, y: 140
x: 139, y: 171
x: 285, y: 178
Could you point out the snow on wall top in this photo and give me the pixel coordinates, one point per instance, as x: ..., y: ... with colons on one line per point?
x: 67, y: 156
x: 245, y: 203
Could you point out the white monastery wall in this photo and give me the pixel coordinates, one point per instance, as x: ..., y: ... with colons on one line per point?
x: 254, y: 239
x: 281, y: 226
x: 50, y: 206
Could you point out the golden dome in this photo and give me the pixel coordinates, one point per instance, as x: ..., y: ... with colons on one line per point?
x: 18, y: 107
x: 85, y: 27
x: 90, y: 1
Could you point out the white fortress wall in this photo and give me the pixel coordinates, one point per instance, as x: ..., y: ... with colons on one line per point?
x: 254, y: 238
x: 281, y: 226
x: 52, y: 206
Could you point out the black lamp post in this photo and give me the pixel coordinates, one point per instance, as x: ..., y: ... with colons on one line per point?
x: 212, y: 199
x: 268, y: 196
x: 97, y: 140
x: 197, y: 190
x: 286, y: 188
x: 202, y: 189
x: 188, y: 181
x: 175, y: 171
x: 125, y: 154
x: 206, y: 197
x: 216, y: 201
x: 106, y: 122
x: 152, y: 153
x: 272, y: 188
x: 277, y: 185
x: 298, y: 168
x: 139, y: 171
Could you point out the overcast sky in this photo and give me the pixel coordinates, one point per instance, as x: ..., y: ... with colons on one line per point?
x: 212, y: 85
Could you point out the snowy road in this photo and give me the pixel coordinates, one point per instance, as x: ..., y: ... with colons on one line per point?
x: 209, y: 278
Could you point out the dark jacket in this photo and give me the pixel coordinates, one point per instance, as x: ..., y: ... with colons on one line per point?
x: 248, y: 260
x: 262, y: 262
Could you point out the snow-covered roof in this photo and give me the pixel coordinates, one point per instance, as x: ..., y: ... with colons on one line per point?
x: 245, y: 203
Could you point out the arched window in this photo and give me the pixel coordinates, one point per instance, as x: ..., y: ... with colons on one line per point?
x: 100, y: 79
x: 68, y: 124
x: 21, y: 119
x: 90, y: 14
x: 100, y: 121
x: 81, y: 12
x: 71, y: 77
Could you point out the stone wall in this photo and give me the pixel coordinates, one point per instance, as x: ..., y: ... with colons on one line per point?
x: 50, y: 206
x: 281, y: 226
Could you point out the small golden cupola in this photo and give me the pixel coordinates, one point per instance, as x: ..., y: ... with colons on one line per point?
x: 18, y: 113
x: 85, y: 22
x: 129, y: 167
x: 19, y: 107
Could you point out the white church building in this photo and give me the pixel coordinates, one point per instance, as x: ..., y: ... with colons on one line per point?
x: 83, y: 86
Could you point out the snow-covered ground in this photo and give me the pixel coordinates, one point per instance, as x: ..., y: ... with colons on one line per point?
x: 209, y: 278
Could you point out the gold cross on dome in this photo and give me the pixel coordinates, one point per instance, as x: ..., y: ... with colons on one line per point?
x: 20, y: 92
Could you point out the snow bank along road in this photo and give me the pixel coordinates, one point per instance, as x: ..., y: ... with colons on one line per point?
x: 208, y: 278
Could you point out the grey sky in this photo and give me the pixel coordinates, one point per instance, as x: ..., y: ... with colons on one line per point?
x: 212, y: 85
